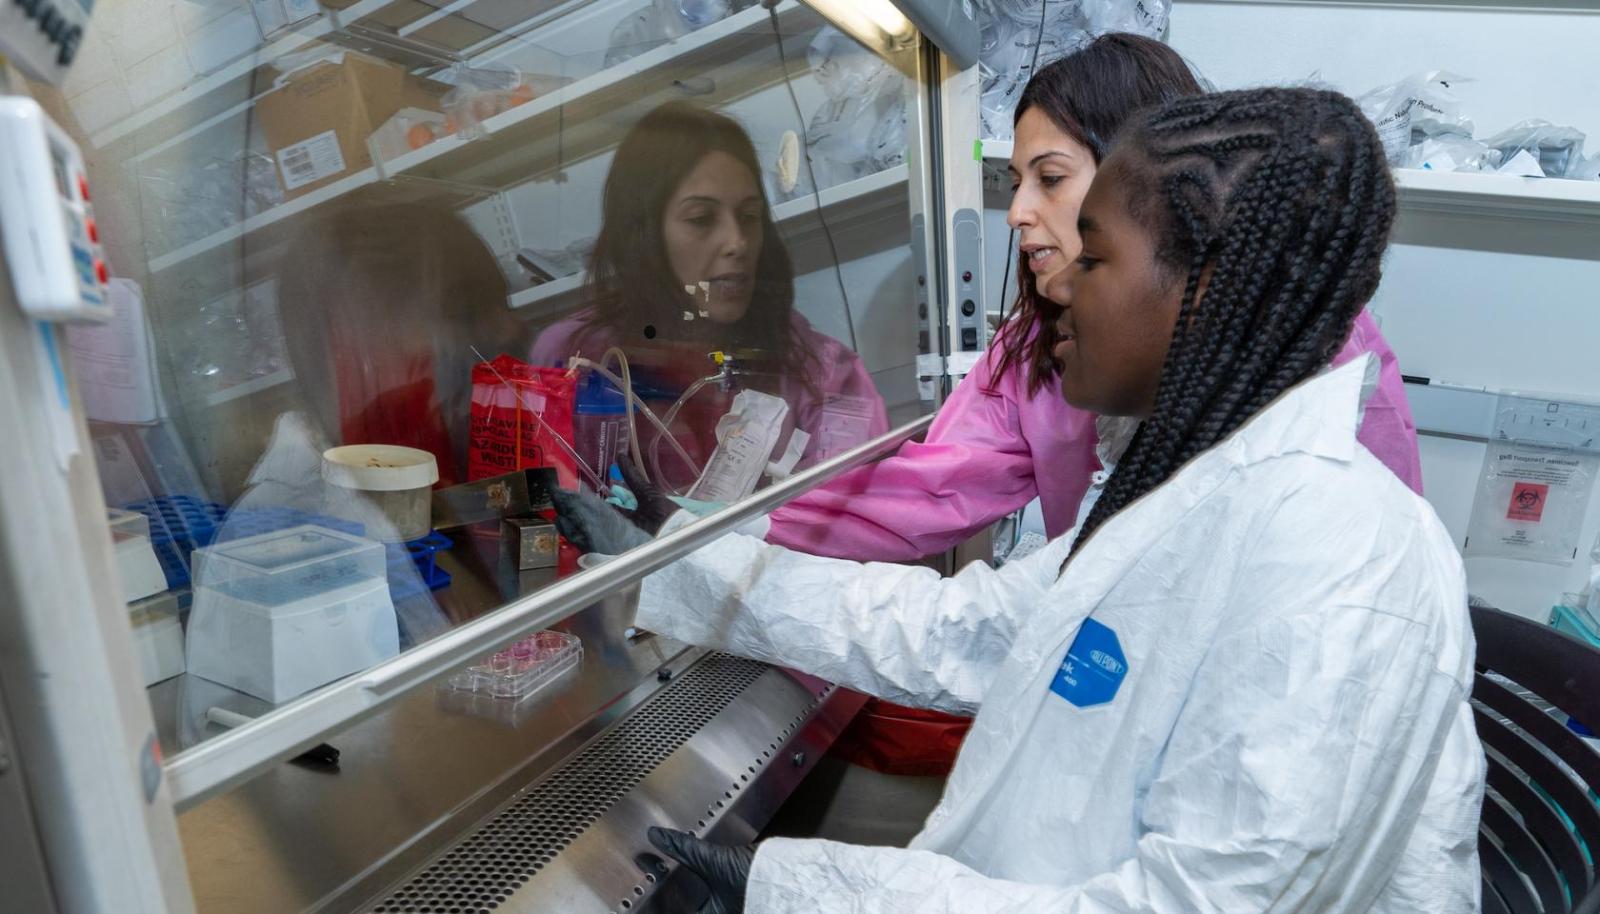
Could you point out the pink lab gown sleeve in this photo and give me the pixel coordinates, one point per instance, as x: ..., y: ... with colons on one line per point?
x: 995, y: 446
x: 975, y: 466
x: 1387, y: 428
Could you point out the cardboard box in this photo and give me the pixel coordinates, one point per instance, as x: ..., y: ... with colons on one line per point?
x: 317, y: 123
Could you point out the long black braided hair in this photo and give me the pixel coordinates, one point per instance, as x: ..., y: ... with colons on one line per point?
x: 1278, y: 203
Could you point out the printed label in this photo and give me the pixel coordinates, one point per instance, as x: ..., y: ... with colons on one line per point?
x: 309, y: 161
x: 1094, y: 668
x: 1527, y: 501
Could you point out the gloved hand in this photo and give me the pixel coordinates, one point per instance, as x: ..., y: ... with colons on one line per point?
x: 725, y: 869
x: 591, y: 525
x: 654, y: 508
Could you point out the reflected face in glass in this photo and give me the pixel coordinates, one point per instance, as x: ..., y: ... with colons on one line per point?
x: 1050, y: 173
x: 1119, y: 307
x: 713, y: 233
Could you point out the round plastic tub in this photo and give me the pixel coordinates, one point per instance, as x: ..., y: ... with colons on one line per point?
x: 396, y: 479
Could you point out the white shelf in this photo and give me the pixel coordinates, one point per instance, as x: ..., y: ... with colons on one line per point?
x: 549, y: 294
x: 329, y: 22
x: 512, y: 145
x: 264, y: 382
x: 844, y: 201
x: 1465, y: 193
x: 1498, y: 196
x: 879, y: 193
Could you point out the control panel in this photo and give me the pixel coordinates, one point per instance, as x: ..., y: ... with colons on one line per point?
x: 51, y: 242
x: 42, y: 37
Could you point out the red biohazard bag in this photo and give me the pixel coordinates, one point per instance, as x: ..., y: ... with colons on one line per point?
x: 518, y: 412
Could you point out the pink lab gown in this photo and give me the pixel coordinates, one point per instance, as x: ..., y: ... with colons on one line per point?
x: 978, y: 464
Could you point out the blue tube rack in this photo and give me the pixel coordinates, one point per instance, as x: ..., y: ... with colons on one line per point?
x: 179, y: 524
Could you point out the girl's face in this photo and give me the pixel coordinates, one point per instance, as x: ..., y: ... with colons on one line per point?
x: 1119, y: 307
x: 1050, y: 173
x: 712, y: 228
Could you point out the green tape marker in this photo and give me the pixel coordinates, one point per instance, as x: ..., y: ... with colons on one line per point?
x: 977, y: 150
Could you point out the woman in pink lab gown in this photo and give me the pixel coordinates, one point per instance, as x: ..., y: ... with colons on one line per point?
x: 688, y: 261
x: 1006, y: 435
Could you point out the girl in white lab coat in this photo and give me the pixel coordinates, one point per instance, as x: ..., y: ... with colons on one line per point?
x: 1239, y: 684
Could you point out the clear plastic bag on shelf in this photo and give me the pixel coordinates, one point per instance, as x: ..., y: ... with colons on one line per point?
x: 523, y: 668
x: 1589, y: 171
x: 194, y: 197
x: 1020, y: 36
x: 859, y: 129
x: 480, y: 93
x: 233, y: 339
x: 1141, y: 17
x: 1556, y: 151
x: 1419, y: 107
x: 660, y: 21
x: 1016, y: 37
x: 1450, y: 153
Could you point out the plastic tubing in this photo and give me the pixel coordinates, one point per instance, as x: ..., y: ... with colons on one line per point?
x: 627, y: 403
x: 655, y: 443
x: 579, y: 362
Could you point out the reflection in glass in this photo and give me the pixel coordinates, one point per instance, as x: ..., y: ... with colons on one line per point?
x: 688, y: 263
x: 385, y: 309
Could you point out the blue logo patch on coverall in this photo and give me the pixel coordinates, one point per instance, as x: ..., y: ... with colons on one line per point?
x: 1094, y: 668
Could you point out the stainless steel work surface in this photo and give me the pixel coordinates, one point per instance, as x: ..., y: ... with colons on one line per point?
x: 715, y: 754
x: 293, y: 837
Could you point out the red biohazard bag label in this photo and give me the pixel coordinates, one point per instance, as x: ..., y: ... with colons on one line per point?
x: 1527, y: 501
x: 519, y: 411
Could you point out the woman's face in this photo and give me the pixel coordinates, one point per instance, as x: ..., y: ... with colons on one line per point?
x: 1050, y: 173
x: 712, y: 228
x: 1119, y: 307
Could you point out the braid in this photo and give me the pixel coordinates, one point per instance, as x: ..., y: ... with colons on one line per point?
x: 1280, y: 202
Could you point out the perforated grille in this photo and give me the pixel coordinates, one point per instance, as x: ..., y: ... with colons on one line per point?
x: 478, y: 874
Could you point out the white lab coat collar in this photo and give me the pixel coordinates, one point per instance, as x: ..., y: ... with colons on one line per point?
x: 1319, y: 416
x: 1115, y: 433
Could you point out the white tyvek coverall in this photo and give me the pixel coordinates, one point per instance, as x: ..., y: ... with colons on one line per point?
x: 1286, y: 726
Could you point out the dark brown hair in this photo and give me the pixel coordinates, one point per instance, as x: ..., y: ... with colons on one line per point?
x: 632, y: 291
x: 1088, y: 94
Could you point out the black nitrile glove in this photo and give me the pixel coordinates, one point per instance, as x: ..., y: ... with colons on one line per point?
x: 591, y: 525
x: 725, y: 869
x: 654, y: 508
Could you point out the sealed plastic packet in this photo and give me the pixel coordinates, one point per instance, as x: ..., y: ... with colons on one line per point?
x: 1420, y: 106
x: 1552, y: 150
x: 522, y: 417
x: 1531, y: 502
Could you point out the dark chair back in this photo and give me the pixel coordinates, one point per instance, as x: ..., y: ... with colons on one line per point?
x: 1540, y: 816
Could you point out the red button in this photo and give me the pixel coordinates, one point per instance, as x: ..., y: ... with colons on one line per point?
x: 83, y: 188
x: 100, y: 272
x: 92, y: 229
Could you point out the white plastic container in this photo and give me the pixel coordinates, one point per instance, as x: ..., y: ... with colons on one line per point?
x: 396, y: 479
x: 137, y: 567
x: 282, y: 613
x: 157, y: 637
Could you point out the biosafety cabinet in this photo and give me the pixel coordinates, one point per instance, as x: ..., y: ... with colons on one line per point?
x: 309, y: 306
